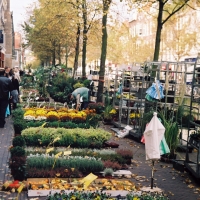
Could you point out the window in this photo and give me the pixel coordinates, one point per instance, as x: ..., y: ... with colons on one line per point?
x: 16, y: 55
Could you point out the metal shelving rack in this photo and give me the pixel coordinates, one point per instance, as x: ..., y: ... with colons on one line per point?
x: 162, y: 71
x: 132, y: 84
x: 175, y: 85
x: 193, y: 164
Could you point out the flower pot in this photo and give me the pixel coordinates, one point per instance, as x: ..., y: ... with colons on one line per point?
x: 107, y: 121
x: 178, y: 165
x: 111, y: 144
x: 168, y: 158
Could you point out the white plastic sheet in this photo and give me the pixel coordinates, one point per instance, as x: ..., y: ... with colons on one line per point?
x: 153, y: 134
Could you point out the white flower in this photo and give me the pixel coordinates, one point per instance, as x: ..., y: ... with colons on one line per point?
x: 29, y: 117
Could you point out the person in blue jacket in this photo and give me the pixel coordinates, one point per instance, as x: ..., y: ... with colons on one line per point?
x: 81, y: 96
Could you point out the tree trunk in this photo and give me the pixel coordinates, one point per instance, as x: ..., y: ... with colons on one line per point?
x: 76, y: 49
x: 106, y: 5
x: 66, y: 56
x: 158, y: 31
x: 84, y: 50
x: 54, y: 54
x: 59, y: 54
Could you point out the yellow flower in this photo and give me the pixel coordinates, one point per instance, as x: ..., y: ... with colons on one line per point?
x: 113, y: 111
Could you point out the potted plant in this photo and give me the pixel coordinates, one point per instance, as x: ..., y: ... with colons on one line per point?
x: 99, y: 107
x: 171, y: 134
x: 108, y: 172
x: 107, y: 116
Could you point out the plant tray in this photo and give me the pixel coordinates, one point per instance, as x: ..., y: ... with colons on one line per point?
x: 114, y: 187
x: 178, y: 165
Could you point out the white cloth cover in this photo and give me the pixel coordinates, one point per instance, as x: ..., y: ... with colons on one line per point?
x: 153, y: 135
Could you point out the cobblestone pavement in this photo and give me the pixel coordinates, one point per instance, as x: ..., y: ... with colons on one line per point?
x: 175, y: 184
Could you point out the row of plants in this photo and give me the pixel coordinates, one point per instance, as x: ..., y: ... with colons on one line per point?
x: 81, y: 138
x: 77, y: 195
x: 40, y: 162
x: 17, y: 163
x: 120, y: 156
x: 92, y: 120
x: 62, y: 114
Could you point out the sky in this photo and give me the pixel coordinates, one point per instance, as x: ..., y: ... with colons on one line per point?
x: 19, y: 11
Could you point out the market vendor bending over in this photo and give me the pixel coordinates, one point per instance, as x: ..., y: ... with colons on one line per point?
x: 81, y: 95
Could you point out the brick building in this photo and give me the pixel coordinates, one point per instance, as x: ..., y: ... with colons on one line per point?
x: 6, y: 34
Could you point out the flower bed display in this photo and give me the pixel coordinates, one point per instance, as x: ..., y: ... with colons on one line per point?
x: 81, y: 138
x: 67, y: 162
x: 111, y: 159
x: 62, y: 114
x: 71, y: 186
x: 47, y: 162
x: 92, y: 120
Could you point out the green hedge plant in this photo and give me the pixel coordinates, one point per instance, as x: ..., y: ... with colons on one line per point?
x: 17, y: 151
x: 83, y: 164
x: 74, y: 137
x: 18, y: 141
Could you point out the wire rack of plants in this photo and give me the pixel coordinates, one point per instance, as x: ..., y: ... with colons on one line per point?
x: 193, y: 163
x: 129, y: 97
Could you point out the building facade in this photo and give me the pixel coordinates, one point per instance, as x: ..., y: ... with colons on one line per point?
x: 18, y: 59
x: 180, y: 37
x: 6, y: 34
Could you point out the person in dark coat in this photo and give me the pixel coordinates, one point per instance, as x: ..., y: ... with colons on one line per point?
x: 5, y: 88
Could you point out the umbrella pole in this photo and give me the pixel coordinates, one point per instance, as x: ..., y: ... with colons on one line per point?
x: 152, y: 172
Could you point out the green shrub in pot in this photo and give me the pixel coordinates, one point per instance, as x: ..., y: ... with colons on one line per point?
x: 18, y: 141
x: 17, y: 151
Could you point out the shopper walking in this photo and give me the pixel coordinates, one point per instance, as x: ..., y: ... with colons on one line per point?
x: 15, y: 92
x: 5, y: 88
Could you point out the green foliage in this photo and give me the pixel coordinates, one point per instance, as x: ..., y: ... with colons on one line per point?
x: 80, y: 195
x: 99, y: 107
x: 17, y: 166
x: 145, y: 196
x: 106, y: 113
x: 74, y: 137
x: 108, y: 172
x: 61, y: 86
x: 43, y: 173
x: 78, y: 85
x: 18, y: 113
x: 93, y: 120
x: 33, y: 123
x: 18, y: 141
x: 19, y: 125
x: 171, y: 132
x: 105, y: 155
x: 79, y: 163
x: 86, y: 83
x: 27, y: 81
x: 147, y: 116
x: 17, y: 151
